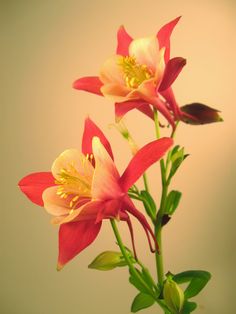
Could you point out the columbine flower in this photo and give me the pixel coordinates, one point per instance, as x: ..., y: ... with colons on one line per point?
x: 138, y: 74
x: 84, y: 188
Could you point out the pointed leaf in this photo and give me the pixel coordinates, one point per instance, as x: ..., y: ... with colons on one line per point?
x: 197, y: 278
x: 137, y: 282
x: 141, y: 301
x: 189, y: 307
x: 172, y: 202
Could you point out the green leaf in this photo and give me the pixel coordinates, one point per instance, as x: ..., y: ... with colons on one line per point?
x: 108, y: 260
x: 189, y: 307
x: 137, y: 282
x: 149, y: 280
x: 174, y: 150
x: 141, y: 301
x: 149, y: 204
x: 147, y: 196
x: 197, y: 278
x: 176, y: 158
x: 172, y: 202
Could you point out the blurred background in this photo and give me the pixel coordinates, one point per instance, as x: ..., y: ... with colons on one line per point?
x: 45, y: 46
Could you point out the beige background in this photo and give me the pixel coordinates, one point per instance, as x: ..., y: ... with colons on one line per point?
x: 45, y: 46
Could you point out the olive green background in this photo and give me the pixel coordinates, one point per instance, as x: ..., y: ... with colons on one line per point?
x: 45, y: 46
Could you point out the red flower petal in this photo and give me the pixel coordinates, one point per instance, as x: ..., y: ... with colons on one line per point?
x: 164, y: 34
x: 91, y: 84
x: 91, y: 130
x: 123, y: 42
x: 146, y: 109
x: 34, y: 184
x: 172, y: 70
x: 144, y: 158
x: 129, y: 206
x: 123, y: 107
x: 74, y: 237
x: 170, y: 98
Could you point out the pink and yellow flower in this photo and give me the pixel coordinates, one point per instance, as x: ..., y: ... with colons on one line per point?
x: 139, y: 73
x: 84, y: 188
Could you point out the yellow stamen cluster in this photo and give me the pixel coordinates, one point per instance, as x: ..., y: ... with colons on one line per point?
x: 134, y: 73
x: 73, y: 183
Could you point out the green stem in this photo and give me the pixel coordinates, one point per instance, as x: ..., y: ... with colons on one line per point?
x: 158, y: 226
x: 145, y: 182
x: 127, y: 259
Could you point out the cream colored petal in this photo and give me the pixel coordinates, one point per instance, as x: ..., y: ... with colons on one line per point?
x: 53, y: 203
x: 146, y: 51
x: 111, y: 72
x: 73, y: 161
x: 160, y: 66
x: 115, y: 92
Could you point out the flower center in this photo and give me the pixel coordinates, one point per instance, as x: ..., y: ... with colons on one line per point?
x: 75, y: 184
x: 134, y: 73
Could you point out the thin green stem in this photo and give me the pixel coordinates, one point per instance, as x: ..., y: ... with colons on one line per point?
x: 158, y: 226
x: 145, y: 182
x: 127, y: 259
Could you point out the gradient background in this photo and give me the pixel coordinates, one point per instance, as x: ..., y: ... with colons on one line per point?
x: 46, y: 45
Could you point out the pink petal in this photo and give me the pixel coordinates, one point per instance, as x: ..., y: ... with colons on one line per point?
x: 122, y: 108
x: 34, y: 184
x: 173, y: 68
x: 105, y: 181
x: 91, y: 84
x: 91, y: 130
x: 111, y: 209
x: 144, y: 158
x: 146, y: 109
x: 147, y: 91
x: 74, y: 237
x: 123, y: 42
x: 163, y: 36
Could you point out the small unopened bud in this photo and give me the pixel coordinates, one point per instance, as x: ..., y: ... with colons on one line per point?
x: 108, y: 260
x: 121, y: 127
x: 197, y: 113
x: 173, y: 296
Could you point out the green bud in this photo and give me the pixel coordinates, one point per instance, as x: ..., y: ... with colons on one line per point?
x: 173, y: 296
x: 108, y: 260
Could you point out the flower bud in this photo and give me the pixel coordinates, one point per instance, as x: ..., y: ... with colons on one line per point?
x: 197, y: 113
x: 173, y: 296
x: 108, y: 260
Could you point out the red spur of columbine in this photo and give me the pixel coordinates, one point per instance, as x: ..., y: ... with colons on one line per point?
x: 84, y: 188
x: 139, y: 73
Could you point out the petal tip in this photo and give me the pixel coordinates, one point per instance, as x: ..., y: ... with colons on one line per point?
x: 59, y: 266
